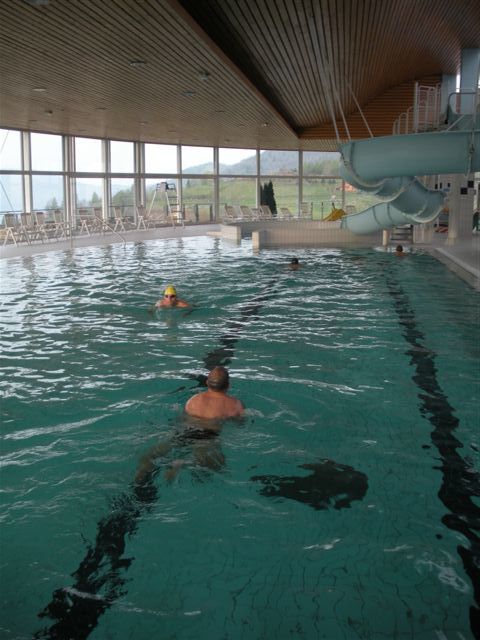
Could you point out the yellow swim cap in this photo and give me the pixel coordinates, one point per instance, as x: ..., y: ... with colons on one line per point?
x: 170, y: 291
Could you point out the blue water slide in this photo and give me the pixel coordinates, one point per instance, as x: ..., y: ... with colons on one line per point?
x: 387, y: 167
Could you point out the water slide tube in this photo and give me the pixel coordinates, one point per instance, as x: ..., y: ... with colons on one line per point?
x: 387, y: 167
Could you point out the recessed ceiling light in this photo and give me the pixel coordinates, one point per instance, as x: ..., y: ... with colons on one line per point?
x: 264, y: 124
x: 204, y: 76
x: 189, y: 94
x: 142, y: 124
x: 39, y: 89
x: 138, y: 64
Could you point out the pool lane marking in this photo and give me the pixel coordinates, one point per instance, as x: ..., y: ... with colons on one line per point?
x: 78, y: 608
x: 459, y: 481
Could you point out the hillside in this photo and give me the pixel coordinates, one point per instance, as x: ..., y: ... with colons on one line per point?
x: 272, y: 162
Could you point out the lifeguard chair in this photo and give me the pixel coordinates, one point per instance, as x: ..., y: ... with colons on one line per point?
x: 174, y: 207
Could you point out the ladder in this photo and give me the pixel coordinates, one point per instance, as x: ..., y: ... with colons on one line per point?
x: 401, y: 233
x: 174, y: 206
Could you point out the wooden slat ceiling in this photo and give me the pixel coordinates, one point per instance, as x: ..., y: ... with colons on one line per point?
x: 235, y: 73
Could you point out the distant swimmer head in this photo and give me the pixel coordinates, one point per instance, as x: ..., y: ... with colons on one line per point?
x: 399, y: 248
x: 170, y: 291
x: 294, y: 261
x: 218, y: 379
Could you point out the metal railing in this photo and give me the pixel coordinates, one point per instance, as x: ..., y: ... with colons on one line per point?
x: 423, y: 115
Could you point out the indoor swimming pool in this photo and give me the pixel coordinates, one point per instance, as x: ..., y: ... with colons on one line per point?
x: 344, y: 505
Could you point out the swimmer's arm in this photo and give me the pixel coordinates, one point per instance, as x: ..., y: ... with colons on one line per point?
x: 153, y: 307
x: 189, y: 309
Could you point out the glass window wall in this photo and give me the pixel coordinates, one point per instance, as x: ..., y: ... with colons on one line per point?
x: 121, y: 157
x: 279, y: 163
x: 10, y: 150
x: 89, y: 155
x: 11, y: 193
x: 46, y: 152
x: 198, y: 199
x: 321, y: 194
x: 122, y: 193
x: 318, y: 163
x: 237, y: 191
x: 89, y: 196
x: 47, y: 193
x: 237, y: 162
x: 285, y: 193
x: 197, y: 160
x: 161, y: 158
x: 237, y: 179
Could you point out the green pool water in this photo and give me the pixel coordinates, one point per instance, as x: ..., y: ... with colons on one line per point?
x: 346, y: 504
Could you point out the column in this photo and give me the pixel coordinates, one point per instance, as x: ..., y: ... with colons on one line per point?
x: 461, y: 204
x: 469, y: 72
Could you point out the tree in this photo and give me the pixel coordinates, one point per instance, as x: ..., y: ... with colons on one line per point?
x: 95, y: 200
x: 267, y: 196
x: 52, y: 204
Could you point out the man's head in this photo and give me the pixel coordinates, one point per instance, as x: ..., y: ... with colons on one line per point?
x: 170, y: 292
x: 399, y: 248
x: 294, y: 261
x: 218, y: 379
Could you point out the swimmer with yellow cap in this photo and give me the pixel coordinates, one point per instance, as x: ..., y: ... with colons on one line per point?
x: 170, y: 299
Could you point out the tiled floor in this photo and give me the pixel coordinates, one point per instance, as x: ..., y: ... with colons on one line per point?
x: 463, y: 257
x: 10, y: 250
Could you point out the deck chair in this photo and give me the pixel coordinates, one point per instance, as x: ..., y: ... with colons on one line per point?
x: 59, y: 226
x: 40, y: 226
x: 286, y: 214
x: 100, y: 225
x: 141, y: 217
x: 27, y: 227
x: 119, y: 219
x: 266, y: 212
x: 85, y: 221
x: 256, y: 213
x: 246, y: 213
x: 12, y: 228
x: 230, y: 214
x: 305, y: 211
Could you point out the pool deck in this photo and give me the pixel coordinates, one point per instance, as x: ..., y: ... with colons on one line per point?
x: 463, y: 257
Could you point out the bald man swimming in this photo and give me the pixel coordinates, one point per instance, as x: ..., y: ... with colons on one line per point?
x: 215, y: 403
x: 204, y: 409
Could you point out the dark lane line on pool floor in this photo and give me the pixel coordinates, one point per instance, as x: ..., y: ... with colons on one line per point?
x: 78, y: 608
x: 460, y: 483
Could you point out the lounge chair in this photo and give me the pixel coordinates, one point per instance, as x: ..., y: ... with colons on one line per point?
x: 286, y: 214
x: 141, y: 217
x: 230, y: 214
x: 59, y: 226
x: 12, y: 228
x: 266, y: 212
x: 246, y: 212
x: 40, y: 226
x: 305, y: 211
